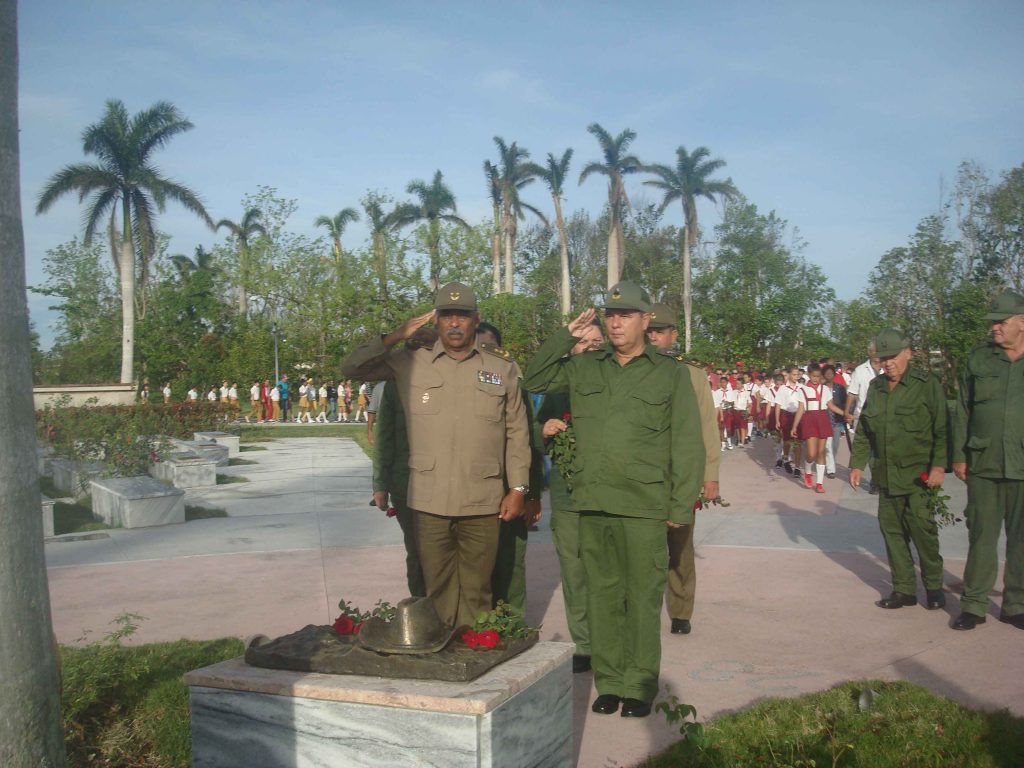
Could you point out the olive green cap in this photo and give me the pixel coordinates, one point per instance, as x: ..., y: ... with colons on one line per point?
x: 455, y: 296
x: 890, y: 343
x: 1007, y: 304
x: 662, y: 316
x: 627, y: 295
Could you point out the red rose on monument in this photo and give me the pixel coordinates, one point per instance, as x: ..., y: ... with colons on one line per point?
x: 488, y: 639
x: 470, y: 638
x: 344, y: 625
x: 355, y: 630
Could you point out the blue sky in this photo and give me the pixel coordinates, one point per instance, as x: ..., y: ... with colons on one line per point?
x: 845, y: 118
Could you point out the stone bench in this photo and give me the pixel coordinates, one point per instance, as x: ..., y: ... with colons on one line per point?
x: 185, y: 469
x: 221, y: 438
x: 48, y: 517
x: 44, y: 455
x: 517, y: 715
x: 207, y: 448
x: 72, y: 478
x: 137, y: 502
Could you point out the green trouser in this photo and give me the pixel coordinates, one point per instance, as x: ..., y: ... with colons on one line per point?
x: 413, y: 571
x: 904, y: 519
x: 565, y: 530
x: 682, y: 575
x: 626, y: 559
x: 508, y: 582
x: 457, y: 557
x: 990, y: 505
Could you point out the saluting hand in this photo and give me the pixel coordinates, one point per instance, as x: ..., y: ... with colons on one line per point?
x: 582, y: 322
x: 407, y: 329
x: 552, y: 427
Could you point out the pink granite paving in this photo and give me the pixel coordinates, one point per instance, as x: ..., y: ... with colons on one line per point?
x: 770, y: 621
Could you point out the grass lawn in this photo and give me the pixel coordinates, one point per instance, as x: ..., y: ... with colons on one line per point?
x: 905, y: 727
x: 228, y: 479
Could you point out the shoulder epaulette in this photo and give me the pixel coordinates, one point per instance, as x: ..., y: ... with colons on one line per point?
x: 917, y: 373
x: 494, y: 349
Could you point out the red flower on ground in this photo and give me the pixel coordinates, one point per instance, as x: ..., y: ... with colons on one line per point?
x: 488, y: 639
x: 470, y: 638
x: 355, y: 630
x: 344, y: 625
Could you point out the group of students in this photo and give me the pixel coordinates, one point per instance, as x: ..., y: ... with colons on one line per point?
x: 804, y: 407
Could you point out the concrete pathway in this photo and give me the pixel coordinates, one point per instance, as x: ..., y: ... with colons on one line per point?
x: 787, y: 581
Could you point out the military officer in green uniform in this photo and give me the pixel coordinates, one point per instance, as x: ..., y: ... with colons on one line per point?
x: 682, y: 572
x: 639, y: 465
x: 469, y: 447
x: 988, y: 453
x: 904, y: 428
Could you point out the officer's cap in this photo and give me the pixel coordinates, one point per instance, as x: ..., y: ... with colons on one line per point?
x: 455, y: 296
x: 662, y: 316
x: 1007, y: 304
x: 627, y: 295
x: 890, y: 343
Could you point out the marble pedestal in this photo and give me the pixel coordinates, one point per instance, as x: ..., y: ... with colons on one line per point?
x: 72, y: 477
x: 206, y: 448
x: 137, y: 502
x: 231, y: 442
x: 518, y: 715
x: 47, y: 516
x: 186, y: 469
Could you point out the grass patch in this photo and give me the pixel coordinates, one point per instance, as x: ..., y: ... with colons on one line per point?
x: 203, y: 513
x: 47, y: 488
x: 906, y: 726
x: 252, y: 447
x: 236, y: 462
x: 75, y: 518
x: 229, y: 479
x: 127, y: 706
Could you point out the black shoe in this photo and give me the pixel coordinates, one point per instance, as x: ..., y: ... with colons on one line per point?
x: 897, y: 600
x: 967, y: 621
x: 580, y: 663
x: 873, y: 488
x: 935, y: 599
x: 778, y: 463
x: 606, y: 704
x: 635, y: 708
x: 1017, y: 620
x: 831, y: 475
x: 680, y: 626
x: 788, y: 466
x: 796, y: 472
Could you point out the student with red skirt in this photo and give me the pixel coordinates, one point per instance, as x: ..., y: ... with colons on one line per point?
x: 813, y: 426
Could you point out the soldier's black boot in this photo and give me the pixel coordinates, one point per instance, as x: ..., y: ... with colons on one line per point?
x: 897, y: 600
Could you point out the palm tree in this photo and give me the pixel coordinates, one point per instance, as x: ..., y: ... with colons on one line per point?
x: 196, y: 275
x: 494, y: 193
x: 436, y: 204
x: 686, y: 182
x: 243, y: 231
x: 616, y: 165
x: 125, y: 175
x: 554, y: 175
x: 381, y: 226
x: 336, y: 227
x: 514, y: 173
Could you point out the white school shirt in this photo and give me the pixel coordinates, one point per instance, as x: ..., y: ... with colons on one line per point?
x: 232, y: 393
x: 815, y: 399
x: 167, y: 392
x: 224, y: 393
x: 193, y: 394
x: 254, y: 392
x: 788, y: 397
x: 212, y: 396
x: 323, y: 392
x: 275, y: 395
x: 742, y: 399
x: 718, y: 397
x: 861, y: 377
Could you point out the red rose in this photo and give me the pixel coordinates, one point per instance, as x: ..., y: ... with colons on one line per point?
x: 344, y: 625
x: 359, y: 626
x: 391, y: 512
x: 470, y: 638
x: 488, y: 639
x: 567, y: 417
x: 696, y: 505
x: 924, y: 477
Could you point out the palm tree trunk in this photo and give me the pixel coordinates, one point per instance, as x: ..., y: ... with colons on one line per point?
x: 337, y: 250
x: 243, y: 281
x: 435, y: 254
x: 565, y: 304
x: 506, y: 226
x: 614, y: 269
x: 687, y: 291
x: 30, y: 714
x: 496, y: 253
x: 127, y: 297
x: 380, y: 252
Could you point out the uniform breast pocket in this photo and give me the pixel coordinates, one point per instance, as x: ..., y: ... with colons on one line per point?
x: 489, y: 401
x: 650, y: 410
x: 424, y: 398
x: 587, y: 400
x: 913, y: 417
x: 986, y: 388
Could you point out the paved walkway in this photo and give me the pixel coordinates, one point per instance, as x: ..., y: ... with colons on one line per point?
x: 787, y: 581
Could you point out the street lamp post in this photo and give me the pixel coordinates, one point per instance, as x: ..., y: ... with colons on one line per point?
x: 277, y: 372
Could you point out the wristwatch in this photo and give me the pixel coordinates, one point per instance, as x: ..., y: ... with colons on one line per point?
x: 523, y: 489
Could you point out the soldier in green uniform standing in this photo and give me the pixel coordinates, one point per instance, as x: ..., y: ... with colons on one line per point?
x: 988, y: 453
x: 639, y: 465
x: 903, y: 426
x: 682, y: 571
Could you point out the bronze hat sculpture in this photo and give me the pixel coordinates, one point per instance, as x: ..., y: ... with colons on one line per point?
x: 416, y: 628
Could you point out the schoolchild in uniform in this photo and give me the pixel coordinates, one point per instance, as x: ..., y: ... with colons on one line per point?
x: 786, y: 405
x: 813, y: 425
x: 724, y: 399
x: 741, y: 412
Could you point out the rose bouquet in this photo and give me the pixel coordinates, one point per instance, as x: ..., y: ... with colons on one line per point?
x: 936, y: 499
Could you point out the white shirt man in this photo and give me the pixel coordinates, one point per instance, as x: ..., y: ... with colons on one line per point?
x: 193, y: 394
x: 212, y: 395
x: 857, y: 391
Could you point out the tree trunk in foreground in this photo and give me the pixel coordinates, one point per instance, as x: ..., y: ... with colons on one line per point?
x: 30, y: 717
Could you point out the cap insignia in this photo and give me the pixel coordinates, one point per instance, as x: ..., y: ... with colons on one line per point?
x: 454, y: 295
x: 616, y: 295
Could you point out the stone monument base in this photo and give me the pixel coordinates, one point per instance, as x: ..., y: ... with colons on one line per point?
x: 137, y: 502
x: 517, y: 715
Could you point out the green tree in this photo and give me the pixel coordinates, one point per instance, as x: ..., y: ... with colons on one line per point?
x: 435, y: 204
x: 243, y: 231
x: 554, y: 173
x: 493, y: 177
x: 1003, y: 237
x: 616, y: 164
x: 382, y: 227
x: 687, y: 181
x: 514, y: 173
x: 125, y: 176
x: 335, y: 226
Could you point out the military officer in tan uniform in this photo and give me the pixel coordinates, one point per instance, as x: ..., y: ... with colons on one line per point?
x: 468, y: 442
x: 682, y: 573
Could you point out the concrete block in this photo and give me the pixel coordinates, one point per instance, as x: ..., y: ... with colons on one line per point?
x: 72, y: 478
x: 48, y: 516
x: 186, y: 469
x: 137, y: 502
x: 221, y: 438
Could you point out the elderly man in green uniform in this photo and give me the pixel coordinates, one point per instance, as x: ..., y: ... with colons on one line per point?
x: 553, y: 417
x: 988, y: 453
x: 904, y: 426
x: 682, y: 573
x: 639, y: 465
x: 468, y: 443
